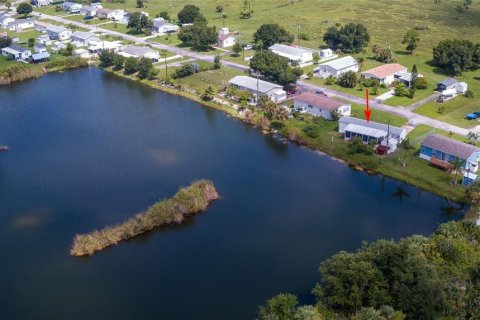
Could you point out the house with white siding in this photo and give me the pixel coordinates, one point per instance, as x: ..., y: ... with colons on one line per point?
x: 293, y: 54
x: 21, y: 24
x: 226, y: 38
x: 160, y: 26
x: 140, y: 52
x: 81, y: 38
x: 336, y: 67
x: 385, y: 73
x: 58, y: 33
x: 71, y: 7
x: 259, y: 88
x: 5, y: 20
x: 15, y: 52
x: 384, y: 136
x: 320, y: 105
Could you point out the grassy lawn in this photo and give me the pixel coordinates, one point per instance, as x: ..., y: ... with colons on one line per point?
x: 217, y: 78
x: 171, y: 40
x: 79, y: 18
x: 406, y: 101
x: 4, y: 63
x: 351, y: 91
x: 24, y: 35
x: 51, y: 10
x: 118, y: 27
x: 378, y: 116
x: 239, y: 59
x: 454, y: 113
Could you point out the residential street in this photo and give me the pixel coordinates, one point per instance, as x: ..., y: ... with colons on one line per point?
x: 413, y: 118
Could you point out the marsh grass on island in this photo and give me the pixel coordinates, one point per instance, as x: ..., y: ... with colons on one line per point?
x: 189, y: 200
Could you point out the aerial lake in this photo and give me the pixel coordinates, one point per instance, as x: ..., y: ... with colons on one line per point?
x: 89, y: 149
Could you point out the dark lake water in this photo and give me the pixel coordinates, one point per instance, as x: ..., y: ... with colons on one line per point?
x: 89, y: 149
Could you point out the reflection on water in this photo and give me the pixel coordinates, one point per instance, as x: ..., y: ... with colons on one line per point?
x: 32, y: 218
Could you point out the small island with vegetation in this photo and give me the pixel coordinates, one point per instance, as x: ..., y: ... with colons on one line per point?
x: 189, y: 200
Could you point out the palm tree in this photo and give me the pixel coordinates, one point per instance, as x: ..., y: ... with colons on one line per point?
x: 457, y: 167
x: 361, y: 62
x: 405, y: 144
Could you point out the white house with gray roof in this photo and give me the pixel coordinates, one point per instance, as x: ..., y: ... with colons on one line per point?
x: 140, y: 52
x: 159, y: 26
x: 71, y: 7
x: 58, y: 33
x: 15, y: 52
x: 5, y: 20
x: 83, y: 38
x: 259, y: 88
x: 21, y: 24
x: 337, y: 67
x: 292, y: 53
x: 382, y: 135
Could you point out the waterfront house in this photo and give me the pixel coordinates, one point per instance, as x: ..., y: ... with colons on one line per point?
x: 385, y: 137
x: 442, y: 151
x: 58, y: 33
x: 293, y: 54
x: 21, y: 24
x: 39, y: 48
x: 140, y: 52
x: 15, y: 52
x: 321, y: 105
x: 40, y: 57
x: 81, y: 53
x: 447, y: 83
x: 159, y: 26
x: 226, y: 38
x: 81, y: 38
x: 71, y: 7
x: 385, y: 74
x: 259, y: 88
x: 337, y: 67
x: 95, y: 47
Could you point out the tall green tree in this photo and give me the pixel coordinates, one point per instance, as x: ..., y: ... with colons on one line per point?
x: 138, y: 22
x: 274, y: 68
x: 199, y: 35
x: 350, y: 38
x: 457, y: 55
x: 24, y: 8
x: 145, y: 69
x: 271, y: 33
x: 411, y: 39
x: 5, y: 42
x: 118, y: 62
x: 188, y: 14
x: 131, y: 65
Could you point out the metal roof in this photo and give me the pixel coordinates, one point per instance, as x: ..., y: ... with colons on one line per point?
x: 56, y: 29
x: 395, y: 131
x: 450, y: 146
x: 137, y: 51
x: 371, y: 132
x: 16, y: 48
x: 289, y: 50
x: 40, y: 56
x: 251, y: 84
x: 319, y: 100
x: 448, y: 82
x: 83, y: 35
x: 385, y: 70
x: 341, y: 63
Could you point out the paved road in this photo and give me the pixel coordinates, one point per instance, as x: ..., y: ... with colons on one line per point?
x: 177, y: 50
x: 413, y: 118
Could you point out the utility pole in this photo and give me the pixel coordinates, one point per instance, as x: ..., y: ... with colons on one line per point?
x: 298, y: 34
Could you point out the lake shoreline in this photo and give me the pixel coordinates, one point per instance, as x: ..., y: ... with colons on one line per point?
x: 424, y: 185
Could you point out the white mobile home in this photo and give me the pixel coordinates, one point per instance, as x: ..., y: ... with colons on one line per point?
x: 337, y: 67
x: 293, y: 54
x: 321, y: 105
x: 385, y: 73
x: 15, y: 52
x: 259, y: 88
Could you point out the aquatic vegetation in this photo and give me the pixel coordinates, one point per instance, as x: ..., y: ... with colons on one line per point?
x: 186, y: 201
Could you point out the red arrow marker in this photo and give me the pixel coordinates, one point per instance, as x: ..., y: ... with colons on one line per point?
x: 367, y: 110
